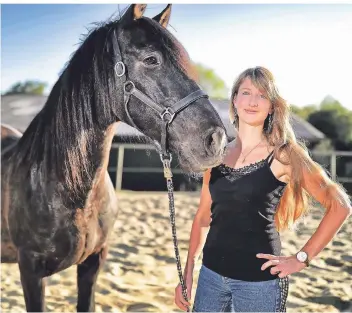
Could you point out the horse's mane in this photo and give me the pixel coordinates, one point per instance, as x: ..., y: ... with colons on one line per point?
x: 60, y: 141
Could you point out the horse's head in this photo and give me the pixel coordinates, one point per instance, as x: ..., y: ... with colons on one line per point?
x: 159, y: 68
x: 131, y: 70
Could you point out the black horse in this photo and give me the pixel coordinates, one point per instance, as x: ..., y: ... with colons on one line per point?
x: 58, y: 202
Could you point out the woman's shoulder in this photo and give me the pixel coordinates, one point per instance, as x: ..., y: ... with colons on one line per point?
x: 281, y: 164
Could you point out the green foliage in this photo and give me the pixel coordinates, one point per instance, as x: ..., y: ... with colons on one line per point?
x: 331, y: 104
x: 27, y: 87
x: 211, y: 83
x: 335, y: 126
x: 305, y: 111
x: 331, y: 118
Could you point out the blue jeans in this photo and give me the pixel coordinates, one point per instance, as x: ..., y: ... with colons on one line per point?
x: 216, y: 293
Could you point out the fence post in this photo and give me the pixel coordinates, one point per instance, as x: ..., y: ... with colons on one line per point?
x: 119, y: 168
x: 333, y: 165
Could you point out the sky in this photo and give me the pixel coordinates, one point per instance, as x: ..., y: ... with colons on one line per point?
x: 308, y: 47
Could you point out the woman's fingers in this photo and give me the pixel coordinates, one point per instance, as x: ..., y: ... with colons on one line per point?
x: 179, y: 300
x: 274, y: 270
x: 181, y: 305
x: 269, y: 256
x: 265, y: 256
x: 269, y: 263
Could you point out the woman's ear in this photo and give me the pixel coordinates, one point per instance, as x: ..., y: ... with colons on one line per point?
x: 234, y: 102
x: 271, y: 111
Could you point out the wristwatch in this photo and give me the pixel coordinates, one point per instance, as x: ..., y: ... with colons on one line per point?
x: 302, y: 256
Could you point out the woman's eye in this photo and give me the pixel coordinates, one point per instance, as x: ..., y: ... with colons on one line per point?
x: 245, y: 93
x: 151, y: 61
x: 264, y: 97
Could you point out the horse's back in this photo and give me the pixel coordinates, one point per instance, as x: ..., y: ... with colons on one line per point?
x: 9, y: 137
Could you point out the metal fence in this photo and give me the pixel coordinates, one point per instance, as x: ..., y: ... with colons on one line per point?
x: 329, y: 160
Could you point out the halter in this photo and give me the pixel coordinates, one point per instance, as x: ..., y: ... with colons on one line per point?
x: 167, y: 116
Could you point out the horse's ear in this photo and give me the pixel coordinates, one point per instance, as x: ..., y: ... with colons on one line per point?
x: 134, y: 12
x: 164, y: 17
x: 138, y: 10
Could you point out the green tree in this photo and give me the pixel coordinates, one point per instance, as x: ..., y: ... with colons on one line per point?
x: 27, y: 87
x: 335, y: 121
x: 305, y: 111
x: 331, y: 104
x: 211, y: 82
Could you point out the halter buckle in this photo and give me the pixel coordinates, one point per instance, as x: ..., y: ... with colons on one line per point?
x: 123, y: 69
x: 168, y: 112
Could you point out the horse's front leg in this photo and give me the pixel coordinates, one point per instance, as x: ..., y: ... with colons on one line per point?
x: 32, y: 281
x: 87, y: 274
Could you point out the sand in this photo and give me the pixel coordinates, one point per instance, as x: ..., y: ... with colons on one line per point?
x: 140, y: 273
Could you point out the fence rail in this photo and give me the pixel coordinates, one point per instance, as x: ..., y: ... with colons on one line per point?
x: 120, y: 169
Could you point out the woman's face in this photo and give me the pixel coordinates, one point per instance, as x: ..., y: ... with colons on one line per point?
x: 251, y: 104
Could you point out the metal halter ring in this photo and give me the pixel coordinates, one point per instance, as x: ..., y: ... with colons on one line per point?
x: 167, y: 112
x: 122, y: 67
x: 125, y: 87
x: 168, y: 159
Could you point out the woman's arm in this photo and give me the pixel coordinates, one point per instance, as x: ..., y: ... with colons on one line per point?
x: 338, y: 209
x: 200, y: 226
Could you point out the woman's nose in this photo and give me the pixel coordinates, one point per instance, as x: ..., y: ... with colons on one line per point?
x: 253, y: 102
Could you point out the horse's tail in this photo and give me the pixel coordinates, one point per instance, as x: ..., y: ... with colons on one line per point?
x: 9, y: 138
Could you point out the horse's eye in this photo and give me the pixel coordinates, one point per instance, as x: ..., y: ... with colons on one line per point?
x: 151, y: 61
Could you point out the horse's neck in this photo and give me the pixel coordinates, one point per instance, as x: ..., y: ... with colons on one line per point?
x: 105, y: 153
x: 96, y: 144
x: 99, y: 186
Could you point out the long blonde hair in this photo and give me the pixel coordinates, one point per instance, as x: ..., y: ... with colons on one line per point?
x: 295, y: 200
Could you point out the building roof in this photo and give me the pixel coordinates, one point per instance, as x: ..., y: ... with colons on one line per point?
x: 19, y: 110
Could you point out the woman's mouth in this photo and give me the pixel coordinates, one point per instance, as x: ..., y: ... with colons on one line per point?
x: 250, y: 111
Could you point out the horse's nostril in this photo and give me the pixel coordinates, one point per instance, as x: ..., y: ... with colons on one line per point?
x: 215, y: 141
x: 210, y: 139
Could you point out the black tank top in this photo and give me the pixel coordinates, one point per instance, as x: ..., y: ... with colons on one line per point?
x: 244, y: 202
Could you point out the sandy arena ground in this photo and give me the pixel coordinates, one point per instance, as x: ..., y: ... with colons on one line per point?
x: 140, y: 273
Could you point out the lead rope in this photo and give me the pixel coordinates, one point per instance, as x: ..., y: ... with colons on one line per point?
x: 170, y: 190
x: 284, y: 288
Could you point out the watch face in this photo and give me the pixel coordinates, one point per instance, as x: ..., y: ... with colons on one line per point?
x: 302, y: 256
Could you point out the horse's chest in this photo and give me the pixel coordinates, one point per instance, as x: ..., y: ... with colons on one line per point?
x: 90, y: 232
x: 94, y: 223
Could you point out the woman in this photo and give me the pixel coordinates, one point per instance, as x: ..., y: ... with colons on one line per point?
x: 261, y: 188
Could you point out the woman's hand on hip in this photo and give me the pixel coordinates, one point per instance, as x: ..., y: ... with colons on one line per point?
x: 282, y: 265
